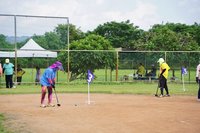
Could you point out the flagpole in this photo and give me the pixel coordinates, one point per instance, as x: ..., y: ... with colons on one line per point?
x: 183, y: 82
x: 88, y: 93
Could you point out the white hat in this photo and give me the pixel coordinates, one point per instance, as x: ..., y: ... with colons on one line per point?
x: 161, y: 60
x: 7, y: 61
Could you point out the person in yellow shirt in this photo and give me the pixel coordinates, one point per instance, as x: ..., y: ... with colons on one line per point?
x: 20, y: 73
x: 164, y: 70
x: 141, y: 70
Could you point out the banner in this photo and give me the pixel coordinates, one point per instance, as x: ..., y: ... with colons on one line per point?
x: 183, y: 71
x: 90, y: 76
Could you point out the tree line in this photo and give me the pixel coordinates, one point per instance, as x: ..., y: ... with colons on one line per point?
x: 111, y: 35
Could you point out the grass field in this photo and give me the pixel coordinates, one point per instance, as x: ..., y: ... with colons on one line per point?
x: 109, y: 88
x: 102, y: 75
x: 2, y: 129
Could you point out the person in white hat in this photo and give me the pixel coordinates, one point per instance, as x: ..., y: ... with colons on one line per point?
x: 164, y: 68
x: 198, y: 80
x: 8, y: 70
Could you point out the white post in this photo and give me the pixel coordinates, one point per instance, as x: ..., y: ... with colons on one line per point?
x: 183, y: 82
x: 88, y: 93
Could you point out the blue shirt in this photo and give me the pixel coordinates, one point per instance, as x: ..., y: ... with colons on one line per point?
x: 49, y: 73
x: 8, y: 68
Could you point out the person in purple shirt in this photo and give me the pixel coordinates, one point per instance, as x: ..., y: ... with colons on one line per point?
x: 47, y: 82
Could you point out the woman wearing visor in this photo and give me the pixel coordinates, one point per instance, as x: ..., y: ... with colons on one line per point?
x: 47, y: 82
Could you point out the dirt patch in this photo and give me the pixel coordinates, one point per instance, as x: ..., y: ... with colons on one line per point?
x: 106, y: 114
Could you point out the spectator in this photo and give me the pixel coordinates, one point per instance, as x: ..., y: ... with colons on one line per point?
x: 198, y: 80
x: 1, y: 71
x: 140, y: 70
x: 8, y: 69
x: 20, y: 73
x: 37, y: 77
x: 152, y: 73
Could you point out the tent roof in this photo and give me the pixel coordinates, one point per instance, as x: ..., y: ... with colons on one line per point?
x: 31, y: 45
x: 30, y: 49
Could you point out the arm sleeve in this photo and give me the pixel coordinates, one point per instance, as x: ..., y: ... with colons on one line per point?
x: 163, y: 71
x: 197, y: 71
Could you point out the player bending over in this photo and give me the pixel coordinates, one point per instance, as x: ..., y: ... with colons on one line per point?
x: 47, y: 82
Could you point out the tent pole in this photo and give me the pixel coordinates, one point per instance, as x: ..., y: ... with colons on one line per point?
x: 68, y: 69
x: 15, y: 21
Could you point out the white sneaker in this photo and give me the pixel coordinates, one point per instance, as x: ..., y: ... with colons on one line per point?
x: 50, y: 105
x: 161, y: 96
x: 43, y: 106
x: 167, y: 95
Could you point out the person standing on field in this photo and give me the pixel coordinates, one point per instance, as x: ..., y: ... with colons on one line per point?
x: 20, y: 73
x: 37, y: 76
x: 8, y: 70
x: 1, y: 71
x: 47, y: 82
x: 198, y: 80
x: 164, y: 68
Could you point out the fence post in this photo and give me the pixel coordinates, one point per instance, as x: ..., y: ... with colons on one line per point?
x: 117, y: 66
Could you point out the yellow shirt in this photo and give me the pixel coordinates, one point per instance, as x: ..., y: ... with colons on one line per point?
x: 20, y: 73
x: 141, y: 70
x: 162, y: 67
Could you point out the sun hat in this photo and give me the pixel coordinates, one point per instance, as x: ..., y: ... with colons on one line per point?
x: 161, y: 60
x: 7, y: 61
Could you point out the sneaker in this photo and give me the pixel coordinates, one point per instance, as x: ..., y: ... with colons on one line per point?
x: 50, y: 105
x: 167, y: 95
x: 198, y: 100
x: 43, y: 106
x: 161, y: 96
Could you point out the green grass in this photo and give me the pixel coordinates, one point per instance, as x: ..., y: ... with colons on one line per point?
x: 101, y: 75
x: 140, y: 88
x: 2, y: 129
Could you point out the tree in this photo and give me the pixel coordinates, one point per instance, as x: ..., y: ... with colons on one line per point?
x: 119, y: 34
x: 4, y: 44
x: 81, y: 61
x: 172, y: 37
x: 75, y: 33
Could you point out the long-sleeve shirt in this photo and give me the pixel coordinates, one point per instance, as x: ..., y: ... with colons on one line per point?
x: 1, y: 71
x: 198, y: 71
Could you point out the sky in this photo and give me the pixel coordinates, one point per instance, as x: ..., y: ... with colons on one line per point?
x: 88, y: 14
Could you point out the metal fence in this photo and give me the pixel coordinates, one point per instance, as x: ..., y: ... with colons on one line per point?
x: 126, y: 65
x: 126, y: 62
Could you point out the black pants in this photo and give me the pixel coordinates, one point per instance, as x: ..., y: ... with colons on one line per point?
x: 19, y: 80
x: 199, y: 91
x: 163, y: 84
x: 9, y: 81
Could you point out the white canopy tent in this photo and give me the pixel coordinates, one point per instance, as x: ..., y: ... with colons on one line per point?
x: 30, y: 49
x: 7, y: 54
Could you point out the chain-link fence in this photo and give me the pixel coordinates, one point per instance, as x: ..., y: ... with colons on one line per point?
x: 107, y: 65
x: 111, y: 66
